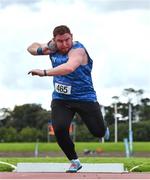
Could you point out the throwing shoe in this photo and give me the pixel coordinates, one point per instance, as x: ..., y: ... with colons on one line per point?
x: 75, y: 166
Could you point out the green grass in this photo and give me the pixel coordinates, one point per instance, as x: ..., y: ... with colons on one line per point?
x: 143, y: 164
x: 129, y: 163
x: 45, y: 147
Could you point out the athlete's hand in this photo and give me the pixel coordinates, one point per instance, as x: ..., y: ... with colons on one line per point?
x: 52, y: 46
x: 48, y: 48
x: 36, y: 72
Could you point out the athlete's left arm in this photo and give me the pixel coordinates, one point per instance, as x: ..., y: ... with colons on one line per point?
x: 77, y: 57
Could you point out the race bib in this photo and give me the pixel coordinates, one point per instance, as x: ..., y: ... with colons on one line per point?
x: 63, y: 89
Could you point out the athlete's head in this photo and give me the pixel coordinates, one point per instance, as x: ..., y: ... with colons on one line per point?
x: 63, y: 38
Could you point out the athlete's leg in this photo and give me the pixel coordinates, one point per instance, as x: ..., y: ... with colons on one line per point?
x: 91, y: 114
x: 61, y: 119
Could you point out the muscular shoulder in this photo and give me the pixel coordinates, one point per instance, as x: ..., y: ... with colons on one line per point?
x: 78, y: 54
x: 77, y: 51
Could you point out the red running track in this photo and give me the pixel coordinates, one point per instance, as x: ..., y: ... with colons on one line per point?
x: 46, y: 176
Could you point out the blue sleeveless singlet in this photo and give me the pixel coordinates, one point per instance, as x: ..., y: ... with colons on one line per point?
x: 76, y: 85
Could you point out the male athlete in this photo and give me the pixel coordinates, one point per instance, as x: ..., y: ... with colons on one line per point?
x: 73, y: 89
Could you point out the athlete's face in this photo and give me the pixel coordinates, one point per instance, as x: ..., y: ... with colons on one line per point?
x: 63, y: 42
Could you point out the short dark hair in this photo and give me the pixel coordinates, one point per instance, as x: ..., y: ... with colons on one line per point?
x: 60, y: 30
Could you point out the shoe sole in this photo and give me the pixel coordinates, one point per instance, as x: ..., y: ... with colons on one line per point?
x: 69, y: 171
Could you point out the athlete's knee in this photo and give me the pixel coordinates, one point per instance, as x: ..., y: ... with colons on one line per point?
x: 60, y: 130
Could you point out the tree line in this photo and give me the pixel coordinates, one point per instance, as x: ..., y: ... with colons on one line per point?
x: 29, y: 122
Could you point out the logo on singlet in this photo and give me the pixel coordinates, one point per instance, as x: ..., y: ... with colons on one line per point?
x: 53, y: 59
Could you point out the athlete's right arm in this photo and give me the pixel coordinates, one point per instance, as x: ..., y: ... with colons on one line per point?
x: 41, y: 49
